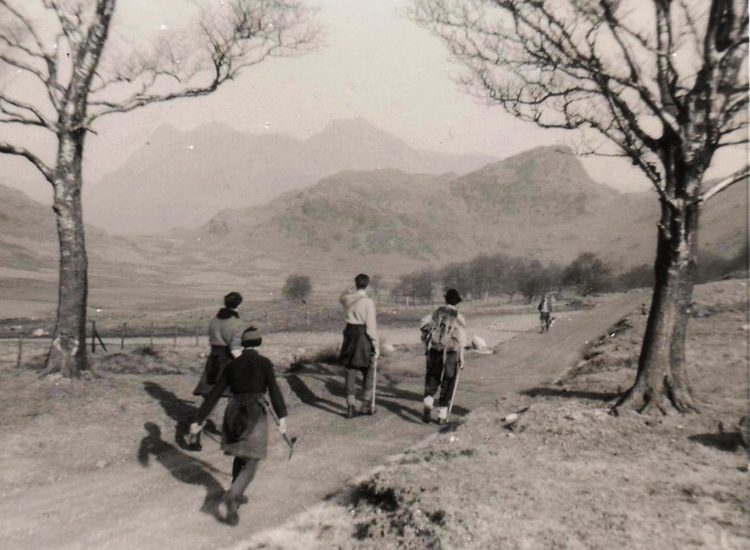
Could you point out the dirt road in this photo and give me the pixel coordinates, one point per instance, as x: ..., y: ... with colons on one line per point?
x: 168, y: 497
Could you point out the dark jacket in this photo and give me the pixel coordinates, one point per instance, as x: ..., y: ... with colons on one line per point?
x: 357, y: 350
x: 245, y: 428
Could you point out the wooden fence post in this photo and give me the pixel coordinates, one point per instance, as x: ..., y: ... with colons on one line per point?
x: 196, y: 335
x: 123, y: 335
x: 175, y: 337
x: 93, y: 336
x: 151, y: 335
x: 20, y: 352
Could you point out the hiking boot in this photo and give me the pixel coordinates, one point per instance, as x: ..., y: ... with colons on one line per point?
x: 350, y: 411
x: 426, y: 413
x: 231, y: 517
x: 193, y: 442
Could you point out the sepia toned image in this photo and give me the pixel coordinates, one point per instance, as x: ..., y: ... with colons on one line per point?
x: 353, y: 274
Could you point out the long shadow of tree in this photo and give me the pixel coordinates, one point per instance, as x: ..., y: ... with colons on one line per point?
x: 180, y: 410
x: 309, y: 397
x: 573, y: 394
x: 182, y: 467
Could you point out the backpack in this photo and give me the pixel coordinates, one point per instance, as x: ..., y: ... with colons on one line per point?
x: 442, y: 333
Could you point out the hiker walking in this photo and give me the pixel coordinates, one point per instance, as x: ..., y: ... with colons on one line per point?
x: 245, y: 427
x: 359, y: 350
x: 545, y: 311
x: 444, y: 336
x: 224, y: 335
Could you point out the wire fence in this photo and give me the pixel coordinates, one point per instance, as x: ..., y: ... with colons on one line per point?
x: 185, y: 330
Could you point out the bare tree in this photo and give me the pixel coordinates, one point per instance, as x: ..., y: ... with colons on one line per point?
x: 660, y: 82
x: 64, y: 49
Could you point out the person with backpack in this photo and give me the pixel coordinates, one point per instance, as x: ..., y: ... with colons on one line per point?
x: 225, y: 338
x: 359, y: 349
x: 545, y: 312
x: 444, y: 336
x: 245, y: 427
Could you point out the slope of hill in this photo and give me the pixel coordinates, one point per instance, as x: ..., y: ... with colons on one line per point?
x: 542, y: 184
x: 541, y: 204
x: 27, y: 232
x: 182, y: 179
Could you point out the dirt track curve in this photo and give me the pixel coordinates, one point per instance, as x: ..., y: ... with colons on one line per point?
x: 168, y: 498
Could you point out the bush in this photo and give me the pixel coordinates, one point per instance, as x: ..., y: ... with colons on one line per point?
x: 640, y: 276
x: 588, y: 273
x: 297, y: 287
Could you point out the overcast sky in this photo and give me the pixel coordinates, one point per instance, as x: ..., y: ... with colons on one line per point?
x: 375, y: 64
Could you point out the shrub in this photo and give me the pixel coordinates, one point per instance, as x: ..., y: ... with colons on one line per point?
x: 297, y: 287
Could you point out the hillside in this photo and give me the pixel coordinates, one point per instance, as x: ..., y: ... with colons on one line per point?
x: 181, y: 179
x: 389, y: 222
x: 542, y: 184
x: 540, y: 204
x: 25, y: 230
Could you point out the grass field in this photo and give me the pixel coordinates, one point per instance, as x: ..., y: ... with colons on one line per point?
x: 567, y: 474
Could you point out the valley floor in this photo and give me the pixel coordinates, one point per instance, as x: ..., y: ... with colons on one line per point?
x: 95, y: 464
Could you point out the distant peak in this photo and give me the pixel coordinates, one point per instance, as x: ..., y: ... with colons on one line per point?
x: 349, y: 122
x: 164, y: 131
x: 215, y: 127
x: 357, y: 125
x: 543, y: 150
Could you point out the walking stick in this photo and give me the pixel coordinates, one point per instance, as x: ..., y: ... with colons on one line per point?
x: 459, y: 368
x: 374, y: 383
x: 290, y: 441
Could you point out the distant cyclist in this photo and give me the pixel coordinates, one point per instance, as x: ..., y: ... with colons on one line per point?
x: 545, y: 312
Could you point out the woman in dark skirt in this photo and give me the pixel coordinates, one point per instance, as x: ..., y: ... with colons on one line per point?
x: 245, y: 427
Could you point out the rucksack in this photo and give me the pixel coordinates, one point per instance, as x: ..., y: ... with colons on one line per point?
x: 442, y: 334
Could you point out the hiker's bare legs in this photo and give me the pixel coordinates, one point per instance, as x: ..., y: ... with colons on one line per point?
x: 243, y: 472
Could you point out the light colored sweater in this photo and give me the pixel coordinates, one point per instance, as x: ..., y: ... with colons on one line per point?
x: 360, y: 310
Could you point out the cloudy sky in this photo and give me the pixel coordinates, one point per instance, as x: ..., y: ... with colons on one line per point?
x: 374, y: 64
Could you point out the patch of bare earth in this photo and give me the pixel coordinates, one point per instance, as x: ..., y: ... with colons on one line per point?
x: 566, y: 474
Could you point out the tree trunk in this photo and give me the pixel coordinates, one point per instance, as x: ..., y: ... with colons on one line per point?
x: 67, y: 353
x: 662, y: 383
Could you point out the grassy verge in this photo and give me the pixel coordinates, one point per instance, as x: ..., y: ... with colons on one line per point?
x: 565, y: 473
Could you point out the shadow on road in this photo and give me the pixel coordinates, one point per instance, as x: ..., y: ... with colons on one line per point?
x: 728, y: 441
x: 309, y: 397
x: 576, y: 394
x: 179, y: 410
x: 389, y: 395
x: 182, y: 467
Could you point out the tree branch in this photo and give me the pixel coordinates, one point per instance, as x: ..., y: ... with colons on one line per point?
x: 740, y: 175
x: 242, y: 34
x: 46, y: 171
x: 19, y: 112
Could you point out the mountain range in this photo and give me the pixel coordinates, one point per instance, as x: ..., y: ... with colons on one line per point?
x: 540, y: 204
x: 181, y: 179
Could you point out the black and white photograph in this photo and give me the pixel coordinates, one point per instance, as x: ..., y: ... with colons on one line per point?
x: 374, y: 274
